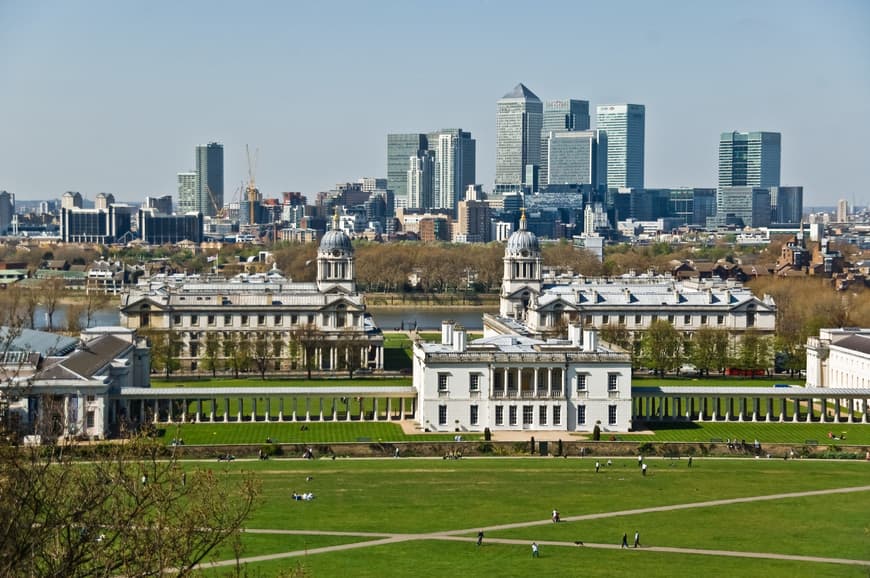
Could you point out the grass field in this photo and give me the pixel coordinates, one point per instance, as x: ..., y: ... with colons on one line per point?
x: 793, y: 433
x: 453, y: 499
x: 712, y: 381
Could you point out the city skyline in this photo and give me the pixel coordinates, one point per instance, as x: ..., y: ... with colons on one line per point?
x: 96, y: 98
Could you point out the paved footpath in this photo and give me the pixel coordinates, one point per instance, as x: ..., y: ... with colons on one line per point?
x: 379, y: 539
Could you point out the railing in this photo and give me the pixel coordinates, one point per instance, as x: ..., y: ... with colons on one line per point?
x: 556, y: 394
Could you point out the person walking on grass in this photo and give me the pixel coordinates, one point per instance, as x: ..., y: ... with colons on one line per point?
x: 636, y: 538
x: 480, y: 538
x: 534, y: 549
x: 624, y: 540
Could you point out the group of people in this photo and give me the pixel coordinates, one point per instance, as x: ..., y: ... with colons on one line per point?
x: 307, y: 496
x: 556, y: 518
x: 636, y: 539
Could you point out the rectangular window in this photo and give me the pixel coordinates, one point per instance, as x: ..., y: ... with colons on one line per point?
x: 528, y: 414
x: 703, y: 320
x: 687, y: 319
x: 89, y: 419
x: 194, y: 320
x: 474, y: 382
x: 294, y: 320
x: 581, y: 415
x: 720, y: 319
x: 512, y: 415
x: 499, y: 415
x: 228, y: 320
x: 654, y: 318
x: 588, y: 320
x: 277, y: 320
x: 211, y: 319
x: 176, y: 319
x: 542, y: 415
x: 91, y: 398
x: 637, y: 319
x: 557, y: 415
x: 671, y: 319
x: 611, y: 415
x: 612, y: 381
x: 622, y: 319
x: 244, y: 319
x: 194, y: 349
x: 605, y: 319
x: 442, y: 415
x: 442, y: 382
x: 581, y: 382
x: 261, y: 319
x: 472, y: 417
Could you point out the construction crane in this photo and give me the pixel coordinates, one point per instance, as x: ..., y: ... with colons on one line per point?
x: 220, y: 212
x: 253, y: 194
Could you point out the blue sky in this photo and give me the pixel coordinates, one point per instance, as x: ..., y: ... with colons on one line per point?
x: 113, y: 96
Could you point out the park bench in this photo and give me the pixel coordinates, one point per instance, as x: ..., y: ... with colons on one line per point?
x: 811, y: 442
x: 715, y: 440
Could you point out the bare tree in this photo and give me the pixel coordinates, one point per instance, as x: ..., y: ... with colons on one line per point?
x: 51, y: 290
x: 129, y: 510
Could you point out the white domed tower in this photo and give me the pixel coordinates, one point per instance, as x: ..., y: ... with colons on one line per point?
x: 335, y: 263
x: 523, y: 273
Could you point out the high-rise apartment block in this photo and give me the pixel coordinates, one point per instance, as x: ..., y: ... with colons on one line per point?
x: 624, y: 126
x: 400, y: 148
x: 455, y: 158
x: 7, y: 211
x: 187, y: 193
x: 519, y: 120
x: 561, y: 116
x: 749, y: 159
x: 743, y: 207
x: 209, y: 178
x: 842, y: 211
x: 421, y: 180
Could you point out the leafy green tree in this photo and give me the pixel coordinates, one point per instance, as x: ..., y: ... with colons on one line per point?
x: 211, y: 352
x: 165, y: 349
x: 237, y: 350
x: 754, y: 352
x: 262, y: 352
x: 709, y: 350
x: 310, y: 339
x: 661, y: 347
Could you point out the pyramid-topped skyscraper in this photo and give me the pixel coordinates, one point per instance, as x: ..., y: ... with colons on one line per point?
x: 518, y: 139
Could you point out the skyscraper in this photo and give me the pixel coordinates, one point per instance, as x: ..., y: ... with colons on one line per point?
x: 518, y: 138
x: 400, y: 148
x: 420, y: 177
x: 187, y: 193
x: 624, y: 127
x: 787, y: 204
x: 749, y: 159
x: 455, y: 152
x: 561, y: 116
x: 576, y: 158
x: 209, y: 178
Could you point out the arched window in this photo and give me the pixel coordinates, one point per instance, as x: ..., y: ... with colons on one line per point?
x: 341, y: 315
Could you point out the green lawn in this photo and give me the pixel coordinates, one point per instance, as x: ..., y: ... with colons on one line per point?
x: 301, y: 382
x: 425, y: 495
x: 315, y: 433
x: 712, y: 381
x: 791, y: 433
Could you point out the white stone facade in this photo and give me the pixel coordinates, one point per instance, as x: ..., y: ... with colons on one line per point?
x: 839, y: 358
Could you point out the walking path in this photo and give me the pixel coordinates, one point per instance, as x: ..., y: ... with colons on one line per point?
x: 379, y: 539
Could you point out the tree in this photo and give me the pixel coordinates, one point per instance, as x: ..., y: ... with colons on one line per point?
x: 237, y: 350
x: 211, y: 352
x: 129, y: 510
x: 165, y: 348
x: 262, y: 352
x: 710, y: 350
x: 310, y: 339
x: 661, y: 347
x: 51, y: 290
x: 350, y: 347
x: 754, y: 352
x: 93, y: 302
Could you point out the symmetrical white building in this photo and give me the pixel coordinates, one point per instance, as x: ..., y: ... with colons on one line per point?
x: 512, y: 379
x: 840, y: 358
x: 266, y: 307
x: 547, y: 304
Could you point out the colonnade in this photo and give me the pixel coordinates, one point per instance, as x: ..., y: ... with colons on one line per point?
x: 266, y: 408
x: 545, y: 383
x: 798, y: 407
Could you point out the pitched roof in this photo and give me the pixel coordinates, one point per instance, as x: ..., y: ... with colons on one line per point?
x: 88, y: 361
x: 859, y: 343
x: 521, y: 91
x: 41, y: 342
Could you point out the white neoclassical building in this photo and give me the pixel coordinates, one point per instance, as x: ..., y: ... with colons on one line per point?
x: 840, y: 358
x: 266, y: 307
x: 546, y: 304
x: 512, y: 378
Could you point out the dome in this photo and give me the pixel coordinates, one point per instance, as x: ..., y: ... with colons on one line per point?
x: 523, y: 242
x: 336, y: 242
